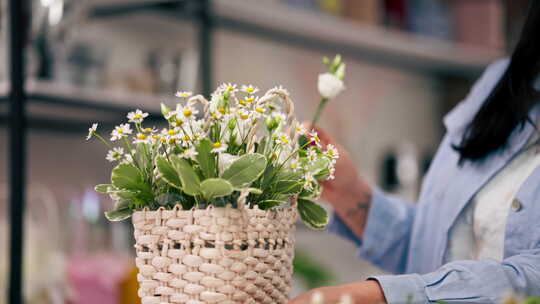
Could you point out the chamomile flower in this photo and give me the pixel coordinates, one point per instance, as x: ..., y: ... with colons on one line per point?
x: 312, y: 155
x: 295, y: 165
x: 186, y: 112
x: 278, y: 116
x: 251, y: 99
x: 120, y: 131
x: 314, y: 137
x: 243, y: 114
x: 183, y: 94
x: 332, y: 153
x: 299, y: 129
x: 309, y: 180
x: 259, y: 111
x: 128, y: 159
x: 249, y: 89
x: 189, y: 153
x: 218, y: 147
x: 282, y: 139
x: 142, y: 138
x: 91, y: 131
x: 331, y: 176
x: 137, y: 117
x: 228, y: 87
x: 115, y: 154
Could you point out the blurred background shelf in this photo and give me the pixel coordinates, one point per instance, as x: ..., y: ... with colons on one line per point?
x: 303, y: 28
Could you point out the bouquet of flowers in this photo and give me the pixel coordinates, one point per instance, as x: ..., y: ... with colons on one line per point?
x: 213, y: 152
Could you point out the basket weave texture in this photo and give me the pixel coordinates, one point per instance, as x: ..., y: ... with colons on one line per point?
x: 215, y: 255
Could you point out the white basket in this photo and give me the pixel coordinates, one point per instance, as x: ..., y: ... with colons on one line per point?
x: 215, y: 255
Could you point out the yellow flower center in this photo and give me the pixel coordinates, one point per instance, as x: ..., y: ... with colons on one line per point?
x: 250, y: 99
x: 250, y: 90
x: 230, y: 88
x: 141, y: 136
x: 260, y: 110
x: 294, y: 165
x: 172, y: 141
x: 172, y: 132
x: 284, y: 140
x: 187, y: 113
x: 148, y: 130
x: 221, y: 110
x: 155, y: 137
x: 138, y: 115
x: 217, y: 145
x: 244, y: 116
x: 242, y: 102
x: 274, y: 156
x: 186, y: 137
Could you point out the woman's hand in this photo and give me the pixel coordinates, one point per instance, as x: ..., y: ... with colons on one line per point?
x: 348, y: 193
x: 366, y: 292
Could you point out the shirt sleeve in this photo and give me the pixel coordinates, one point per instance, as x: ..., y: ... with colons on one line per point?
x: 388, y: 232
x: 483, y: 281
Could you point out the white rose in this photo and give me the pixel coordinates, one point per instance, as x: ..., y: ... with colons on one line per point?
x: 225, y: 161
x: 330, y: 86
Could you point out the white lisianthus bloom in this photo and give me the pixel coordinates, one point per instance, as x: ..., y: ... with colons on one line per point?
x: 225, y: 161
x: 329, y: 85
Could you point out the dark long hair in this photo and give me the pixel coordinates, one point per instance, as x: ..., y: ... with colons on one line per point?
x: 507, y: 107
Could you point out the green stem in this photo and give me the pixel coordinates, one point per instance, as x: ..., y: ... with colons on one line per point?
x: 318, y: 112
x: 103, y: 140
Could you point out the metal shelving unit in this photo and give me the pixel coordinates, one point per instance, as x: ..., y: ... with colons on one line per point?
x: 268, y: 21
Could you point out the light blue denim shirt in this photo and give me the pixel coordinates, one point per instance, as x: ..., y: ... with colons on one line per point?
x: 411, y: 240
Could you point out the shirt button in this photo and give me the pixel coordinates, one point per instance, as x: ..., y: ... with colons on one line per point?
x: 516, y: 205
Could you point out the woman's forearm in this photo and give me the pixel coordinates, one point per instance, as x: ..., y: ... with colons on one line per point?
x: 353, y: 207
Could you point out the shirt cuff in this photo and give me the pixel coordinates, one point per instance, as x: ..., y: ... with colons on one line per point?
x: 399, y: 289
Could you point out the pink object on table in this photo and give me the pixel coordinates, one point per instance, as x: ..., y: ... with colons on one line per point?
x: 97, y: 278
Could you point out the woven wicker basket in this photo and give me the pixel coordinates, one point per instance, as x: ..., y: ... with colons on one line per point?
x: 215, y: 255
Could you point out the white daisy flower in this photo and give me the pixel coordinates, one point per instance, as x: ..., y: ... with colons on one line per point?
x: 309, y: 180
x: 295, y: 165
x: 228, y: 87
x: 259, y: 111
x: 186, y: 112
x: 332, y: 153
x: 300, y: 129
x: 312, y: 155
x: 182, y: 94
x: 127, y: 159
x: 282, y: 139
x: 142, y: 138
x: 332, y: 172
x: 91, y: 131
x: 120, y: 132
x: 189, y: 153
x: 243, y: 114
x: 314, y: 137
x: 137, y: 117
x: 115, y: 154
x: 279, y: 116
x: 218, y: 147
x: 249, y: 89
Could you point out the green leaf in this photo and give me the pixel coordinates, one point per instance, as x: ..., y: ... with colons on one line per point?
x: 118, y: 215
x: 312, y: 214
x: 127, y: 176
x: 104, y: 188
x: 267, y: 204
x: 245, y: 169
x: 216, y: 187
x: 319, y: 165
x: 168, y: 173
x: 191, y: 183
x: 125, y: 194
x: 288, y: 186
x: 206, y: 159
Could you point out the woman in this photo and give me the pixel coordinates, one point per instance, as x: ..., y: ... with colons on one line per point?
x: 475, y: 233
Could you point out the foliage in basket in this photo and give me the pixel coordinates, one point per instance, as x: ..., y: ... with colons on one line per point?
x: 214, y: 151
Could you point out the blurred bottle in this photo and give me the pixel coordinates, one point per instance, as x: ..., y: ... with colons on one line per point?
x: 365, y: 11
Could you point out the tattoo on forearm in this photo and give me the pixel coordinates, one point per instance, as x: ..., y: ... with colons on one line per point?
x: 361, y: 207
